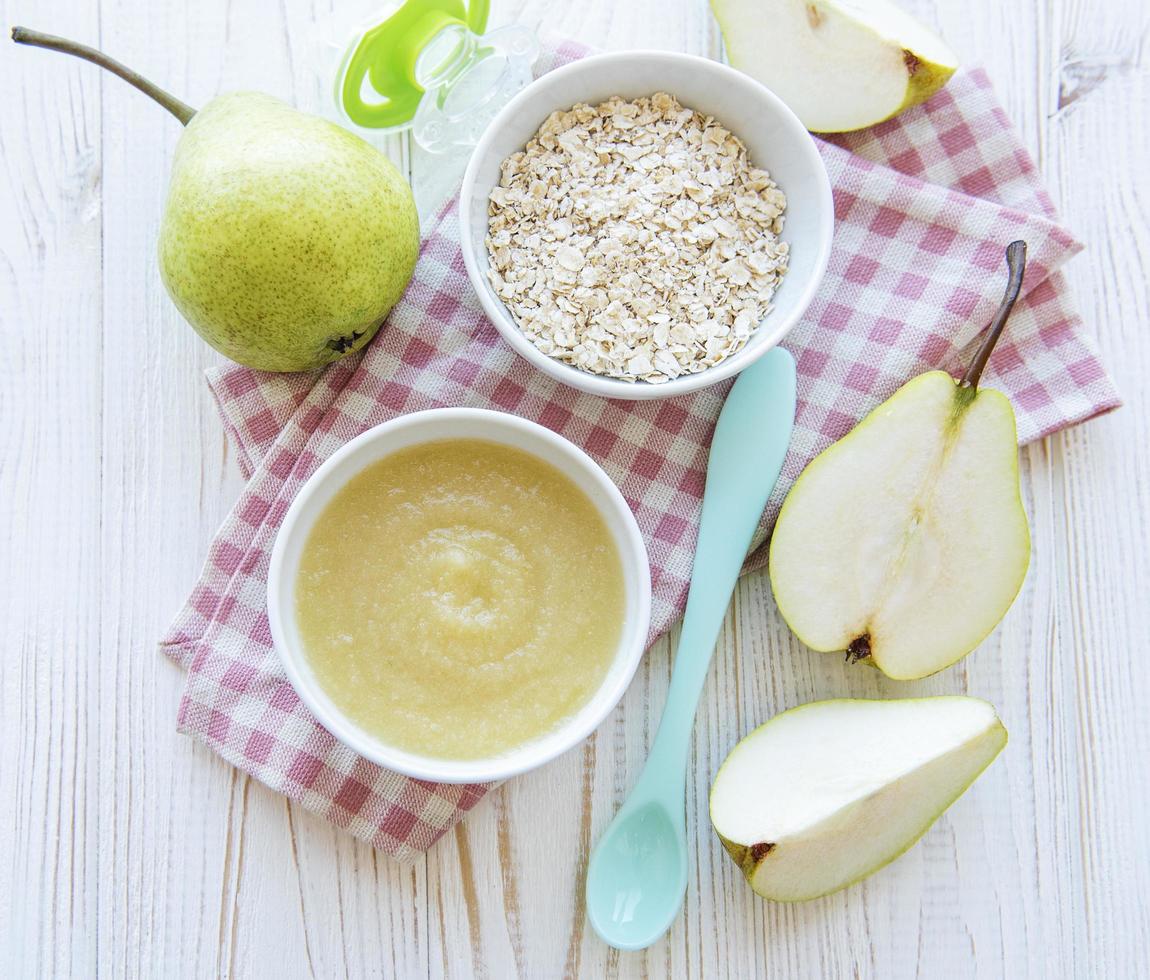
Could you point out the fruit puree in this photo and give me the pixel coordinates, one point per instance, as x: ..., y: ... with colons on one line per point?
x: 460, y: 598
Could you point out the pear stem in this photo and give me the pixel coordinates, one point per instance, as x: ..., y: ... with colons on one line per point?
x: 182, y: 111
x: 1016, y: 263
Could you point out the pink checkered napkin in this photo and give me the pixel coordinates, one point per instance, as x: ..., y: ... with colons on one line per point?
x: 925, y: 205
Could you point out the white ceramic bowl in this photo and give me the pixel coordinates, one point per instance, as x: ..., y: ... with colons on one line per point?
x: 774, y: 137
x: 458, y: 423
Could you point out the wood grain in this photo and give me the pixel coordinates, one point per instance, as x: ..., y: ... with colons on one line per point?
x: 126, y: 850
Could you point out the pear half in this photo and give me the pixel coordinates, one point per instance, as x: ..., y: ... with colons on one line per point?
x: 839, y: 64
x: 905, y: 542
x: 827, y: 793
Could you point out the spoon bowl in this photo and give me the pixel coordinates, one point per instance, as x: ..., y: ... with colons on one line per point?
x: 636, y: 883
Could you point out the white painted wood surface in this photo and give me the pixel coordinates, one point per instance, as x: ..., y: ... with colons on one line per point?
x: 127, y: 850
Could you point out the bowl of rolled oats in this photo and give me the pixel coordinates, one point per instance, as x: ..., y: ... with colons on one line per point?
x: 642, y: 224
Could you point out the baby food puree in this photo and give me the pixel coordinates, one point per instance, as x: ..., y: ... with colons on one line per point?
x: 460, y: 598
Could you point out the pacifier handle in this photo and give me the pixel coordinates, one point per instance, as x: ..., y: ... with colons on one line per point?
x: 388, y: 53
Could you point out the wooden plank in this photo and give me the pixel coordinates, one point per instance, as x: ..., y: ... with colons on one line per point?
x: 1097, y: 166
x: 170, y: 815
x: 50, y: 508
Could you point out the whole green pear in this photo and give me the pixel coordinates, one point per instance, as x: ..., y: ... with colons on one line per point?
x: 286, y: 239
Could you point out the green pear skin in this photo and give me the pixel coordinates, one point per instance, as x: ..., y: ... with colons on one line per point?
x: 286, y: 239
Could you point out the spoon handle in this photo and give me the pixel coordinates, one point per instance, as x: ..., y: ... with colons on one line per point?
x: 747, y: 453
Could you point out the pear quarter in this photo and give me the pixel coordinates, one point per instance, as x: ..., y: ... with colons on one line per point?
x: 839, y: 64
x: 827, y: 793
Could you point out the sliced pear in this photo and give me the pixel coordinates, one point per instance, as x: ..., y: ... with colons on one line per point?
x: 905, y: 542
x: 829, y: 792
x: 839, y: 64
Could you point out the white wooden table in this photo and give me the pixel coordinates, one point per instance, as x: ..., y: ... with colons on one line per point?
x: 125, y: 849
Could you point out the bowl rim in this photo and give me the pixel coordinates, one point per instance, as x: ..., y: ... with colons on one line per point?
x: 632, y: 643
x: 603, y: 385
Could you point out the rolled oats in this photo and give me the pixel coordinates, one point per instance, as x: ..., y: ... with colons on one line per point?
x: 635, y: 239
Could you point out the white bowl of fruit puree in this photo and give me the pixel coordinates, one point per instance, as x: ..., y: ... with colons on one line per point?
x: 459, y: 595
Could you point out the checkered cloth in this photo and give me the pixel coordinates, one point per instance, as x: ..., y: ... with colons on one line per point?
x: 924, y: 206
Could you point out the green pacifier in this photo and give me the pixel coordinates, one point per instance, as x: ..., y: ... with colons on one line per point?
x: 429, y: 67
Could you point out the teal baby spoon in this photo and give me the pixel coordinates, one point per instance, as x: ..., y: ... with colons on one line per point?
x: 637, y: 875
